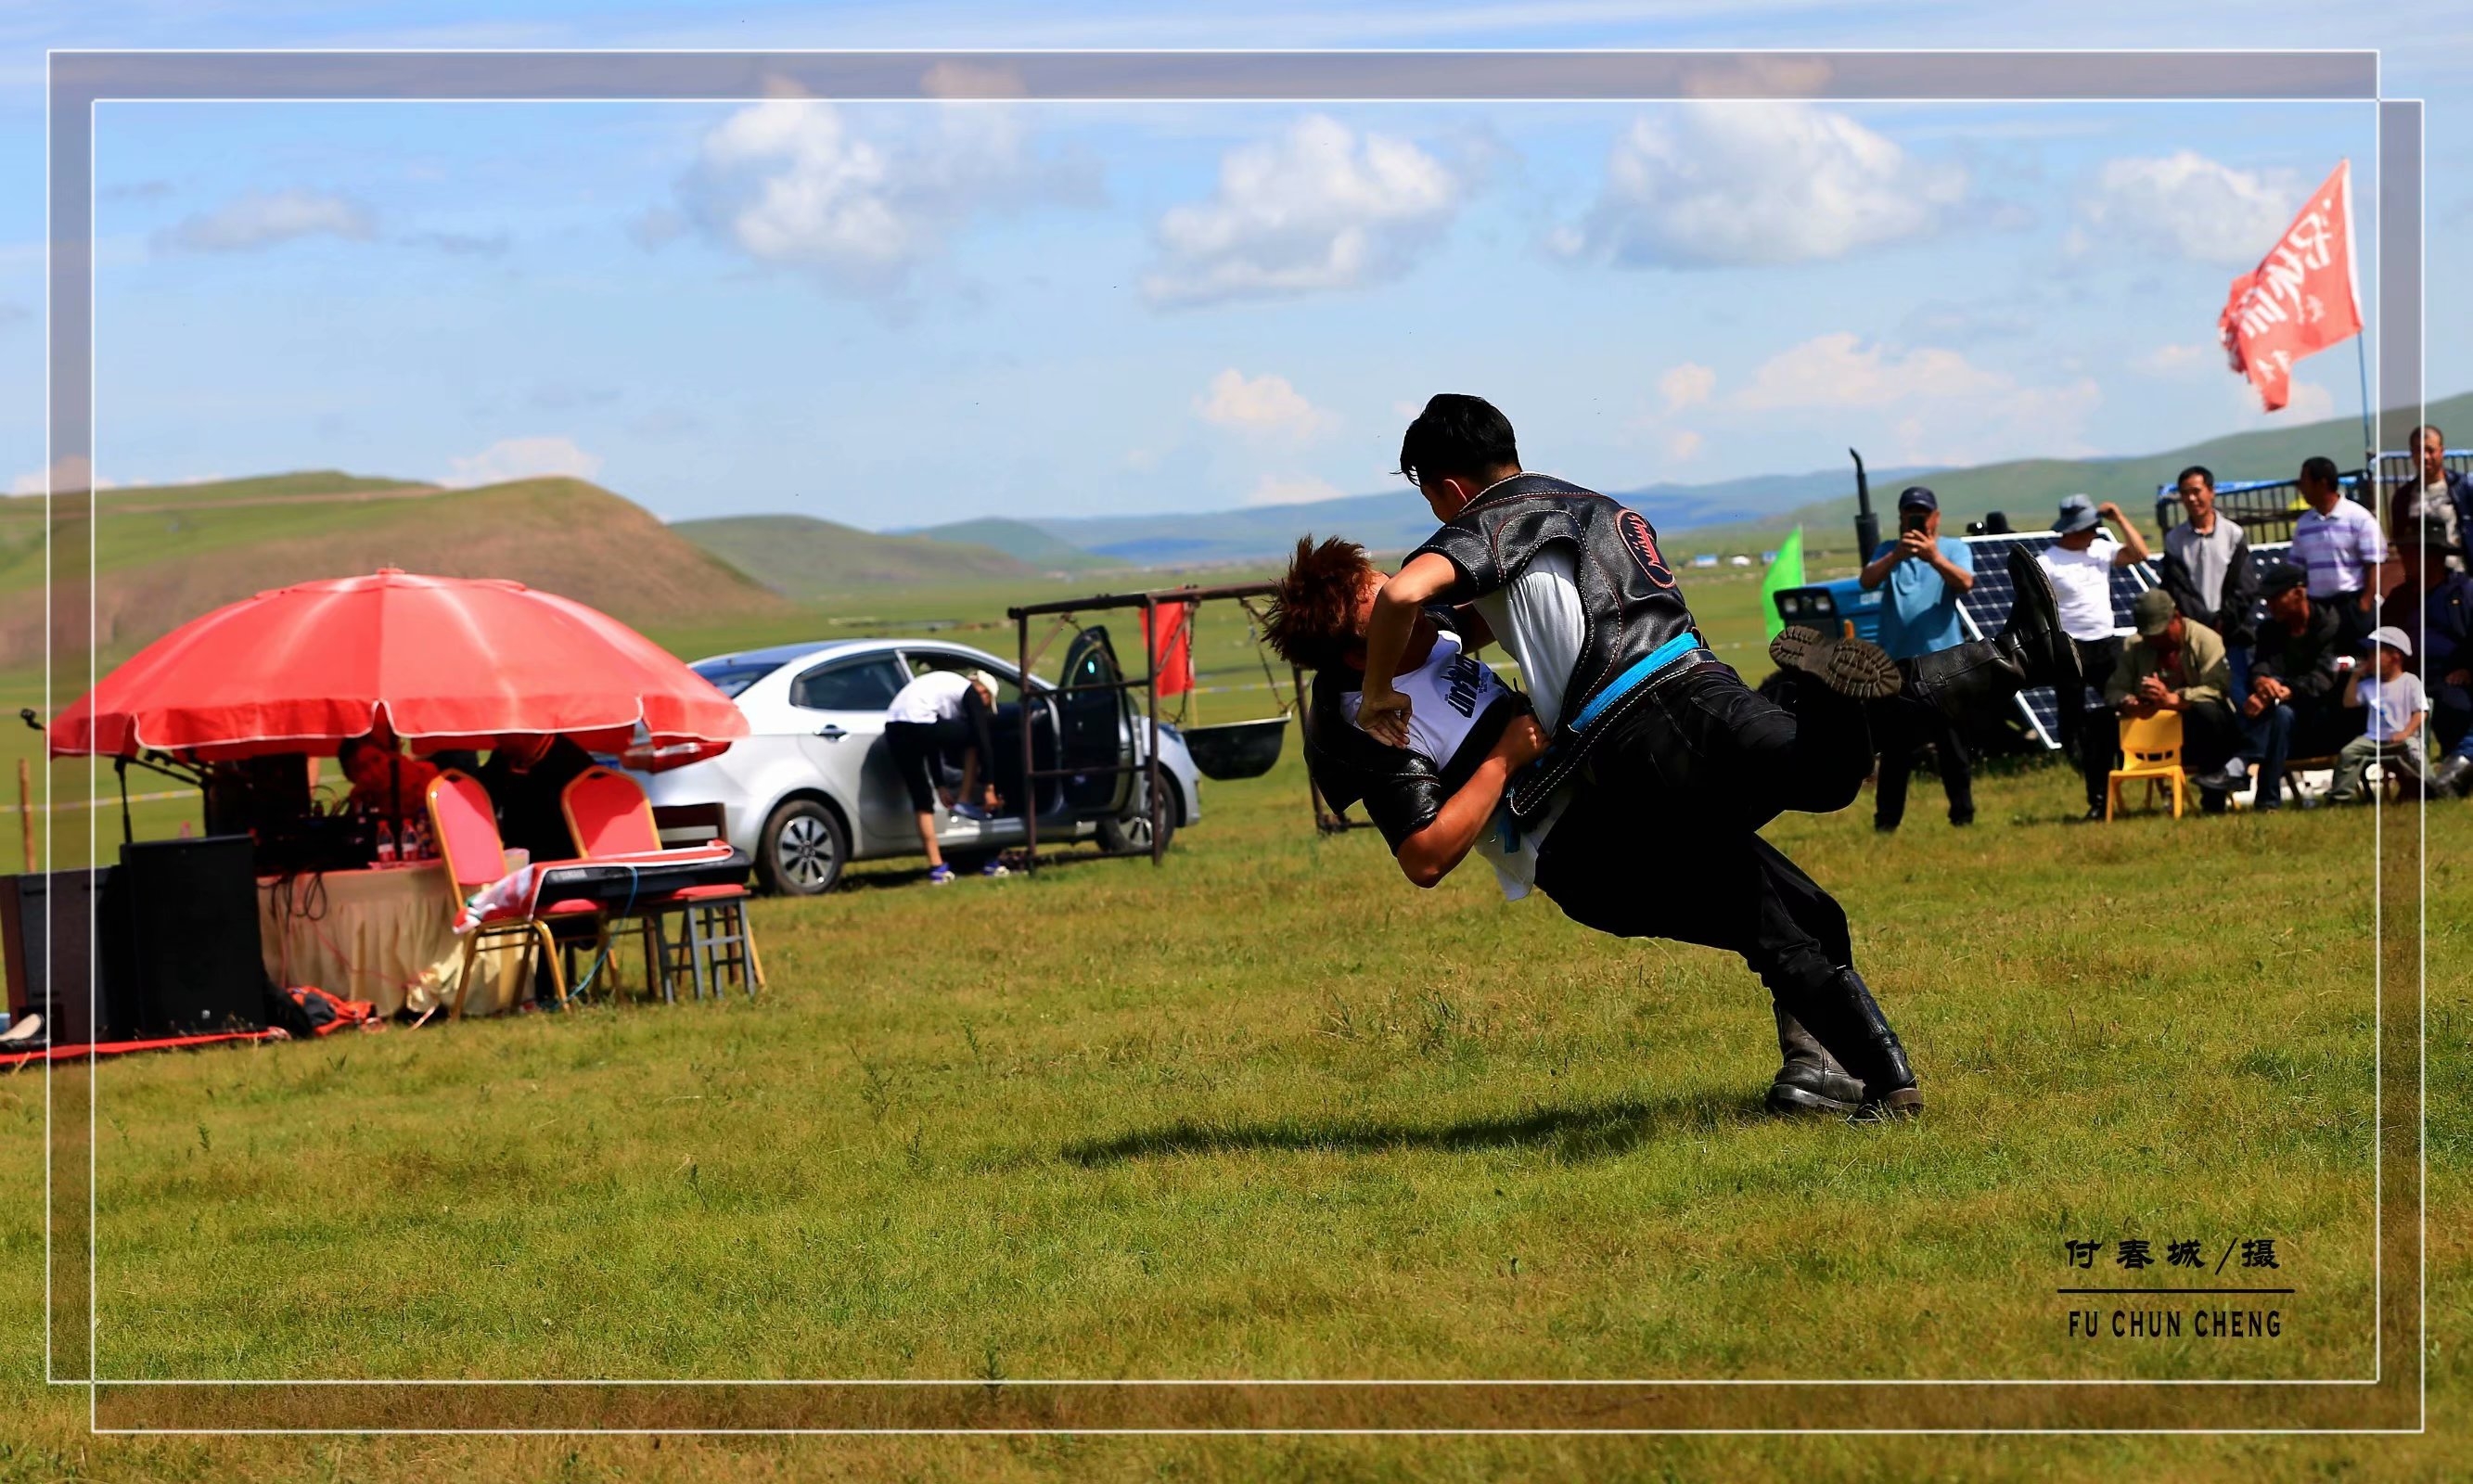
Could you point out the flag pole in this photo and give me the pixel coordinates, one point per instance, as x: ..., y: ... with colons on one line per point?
x: 2370, y: 438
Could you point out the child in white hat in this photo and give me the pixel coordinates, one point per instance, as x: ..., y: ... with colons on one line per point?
x: 2397, y: 707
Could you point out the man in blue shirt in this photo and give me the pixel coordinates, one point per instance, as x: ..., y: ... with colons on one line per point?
x: 1924, y: 578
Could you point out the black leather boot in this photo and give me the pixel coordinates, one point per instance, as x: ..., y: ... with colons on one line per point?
x: 1978, y: 678
x: 1841, y: 1016
x: 1809, y: 1083
x: 1855, y: 668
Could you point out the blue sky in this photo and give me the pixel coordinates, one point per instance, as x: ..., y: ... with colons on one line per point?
x: 899, y: 314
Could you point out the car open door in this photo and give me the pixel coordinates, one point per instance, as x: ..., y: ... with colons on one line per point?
x: 1094, y: 724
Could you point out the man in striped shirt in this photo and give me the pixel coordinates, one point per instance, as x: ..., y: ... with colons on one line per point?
x: 2339, y: 546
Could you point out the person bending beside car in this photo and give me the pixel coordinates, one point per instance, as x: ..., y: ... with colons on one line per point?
x: 927, y: 716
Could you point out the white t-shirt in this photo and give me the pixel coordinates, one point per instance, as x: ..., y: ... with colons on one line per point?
x: 935, y: 696
x: 1446, y: 695
x: 2083, y: 583
x: 2392, y: 704
x: 1539, y: 621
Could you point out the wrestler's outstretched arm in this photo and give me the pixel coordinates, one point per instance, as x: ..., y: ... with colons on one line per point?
x: 1430, y: 854
x: 1383, y: 711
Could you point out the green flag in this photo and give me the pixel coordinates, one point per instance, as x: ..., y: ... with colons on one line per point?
x: 1786, y: 571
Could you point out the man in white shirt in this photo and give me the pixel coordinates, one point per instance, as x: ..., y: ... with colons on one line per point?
x: 2080, y: 565
x: 2339, y: 546
x: 939, y: 707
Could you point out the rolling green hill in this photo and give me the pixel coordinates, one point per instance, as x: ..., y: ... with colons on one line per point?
x: 802, y: 557
x: 166, y: 554
x: 1024, y: 543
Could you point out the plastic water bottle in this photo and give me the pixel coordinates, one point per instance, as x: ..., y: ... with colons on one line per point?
x: 386, y: 844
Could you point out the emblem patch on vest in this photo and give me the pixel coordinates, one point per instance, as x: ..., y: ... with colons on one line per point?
x: 1643, y: 542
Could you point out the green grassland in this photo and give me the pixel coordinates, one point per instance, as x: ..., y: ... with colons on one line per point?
x: 1268, y: 1111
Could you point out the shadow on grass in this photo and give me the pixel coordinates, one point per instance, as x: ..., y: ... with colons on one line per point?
x: 1586, y: 1131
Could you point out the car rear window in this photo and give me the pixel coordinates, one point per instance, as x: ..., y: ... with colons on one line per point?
x: 853, y: 685
x: 730, y: 677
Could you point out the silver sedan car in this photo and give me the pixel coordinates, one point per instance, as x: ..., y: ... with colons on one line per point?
x: 812, y: 787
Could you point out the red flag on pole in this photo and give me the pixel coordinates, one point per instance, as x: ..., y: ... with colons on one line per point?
x: 2301, y: 298
x: 1170, y: 628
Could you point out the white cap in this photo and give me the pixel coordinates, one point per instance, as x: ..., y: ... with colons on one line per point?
x: 983, y: 678
x: 2394, y: 638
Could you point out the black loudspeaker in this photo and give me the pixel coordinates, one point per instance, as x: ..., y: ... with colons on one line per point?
x: 46, y: 924
x: 181, y: 944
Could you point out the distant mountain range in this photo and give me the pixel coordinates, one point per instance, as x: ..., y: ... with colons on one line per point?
x: 1733, y: 514
x: 1392, y: 521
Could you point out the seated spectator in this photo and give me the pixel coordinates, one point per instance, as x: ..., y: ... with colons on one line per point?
x: 385, y: 782
x: 2439, y: 603
x: 2432, y: 492
x: 2295, y: 706
x: 524, y: 778
x: 2178, y: 665
x: 2393, y: 697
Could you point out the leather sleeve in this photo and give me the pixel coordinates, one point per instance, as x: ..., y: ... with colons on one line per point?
x: 1472, y: 554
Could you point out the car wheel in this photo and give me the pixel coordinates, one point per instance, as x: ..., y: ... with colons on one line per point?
x: 803, y: 850
x: 1134, y: 832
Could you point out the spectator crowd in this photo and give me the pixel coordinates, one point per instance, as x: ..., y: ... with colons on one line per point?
x: 2355, y: 648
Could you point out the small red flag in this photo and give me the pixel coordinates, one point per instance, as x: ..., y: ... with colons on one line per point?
x: 1170, y: 627
x: 2300, y: 299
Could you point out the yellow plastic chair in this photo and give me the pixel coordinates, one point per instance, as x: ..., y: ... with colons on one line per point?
x: 2150, y: 749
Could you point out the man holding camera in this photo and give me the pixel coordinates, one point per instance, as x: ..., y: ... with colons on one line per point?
x: 1924, y: 580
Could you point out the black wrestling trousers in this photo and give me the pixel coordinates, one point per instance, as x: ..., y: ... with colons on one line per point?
x: 1715, y: 753
x: 1609, y: 866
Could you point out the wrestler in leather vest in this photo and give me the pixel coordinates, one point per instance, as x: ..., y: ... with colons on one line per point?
x: 1632, y: 602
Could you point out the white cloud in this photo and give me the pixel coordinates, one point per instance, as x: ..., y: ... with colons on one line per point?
x: 1947, y: 410
x: 522, y: 458
x: 2187, y: 204
x: 1292, y: 490
x: 2177, y: 360
x: 263, y: 219
x: 1263, y: 406
x: 72, y: 472
x: 1687, y: 385
x: 790, y: 182
x: 1719, y: 184
x: 1681, y: 444
x: 1318, y: 208
x: 2306, y: 401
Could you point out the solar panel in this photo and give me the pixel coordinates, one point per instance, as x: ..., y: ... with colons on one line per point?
x: 1985, y: 607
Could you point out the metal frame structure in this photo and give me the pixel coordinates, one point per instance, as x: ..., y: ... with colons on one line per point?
x: 1326, y: 820
x: 2259, y: 504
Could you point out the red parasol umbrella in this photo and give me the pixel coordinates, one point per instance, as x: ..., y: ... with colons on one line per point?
x: 448, y: 661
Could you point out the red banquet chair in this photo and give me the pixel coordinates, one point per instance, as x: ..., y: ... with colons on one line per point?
x: 467, y: 829
x: 608, y: 815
